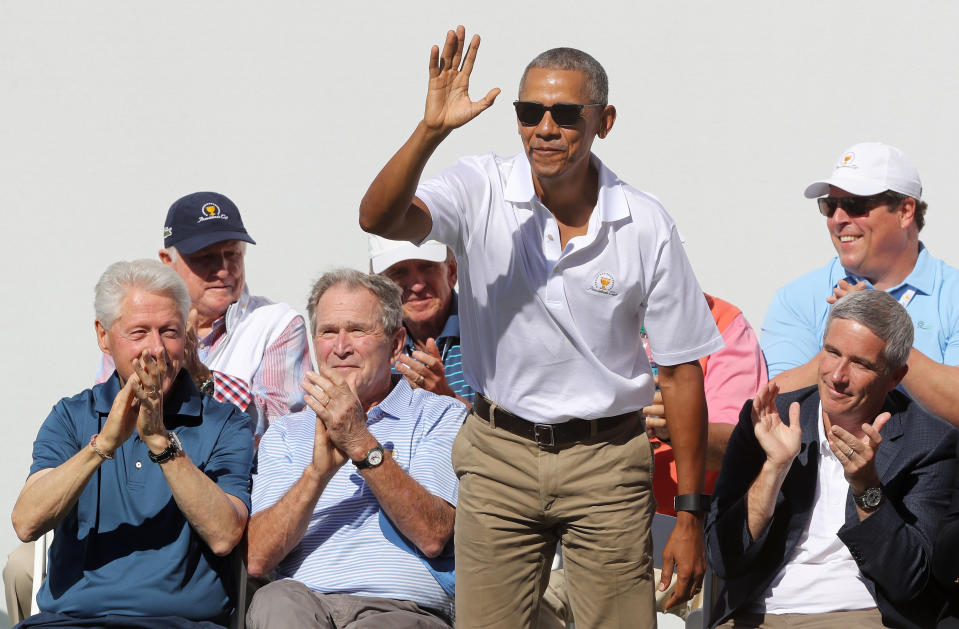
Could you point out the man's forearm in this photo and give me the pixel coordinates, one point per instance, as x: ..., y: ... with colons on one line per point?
x: 798, y: 377
x: 934, y: 385
x: 50, y: 494
x: 761, y: 497
x: 274, y: 532
x: 685, y: 408
x: 387, y: 207
x: 218, y: 517
x: 425, y: 519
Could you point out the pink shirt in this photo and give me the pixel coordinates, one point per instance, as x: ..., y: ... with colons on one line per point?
x: 731, y: 376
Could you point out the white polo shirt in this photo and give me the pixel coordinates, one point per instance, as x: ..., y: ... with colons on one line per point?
x: 553, y: 334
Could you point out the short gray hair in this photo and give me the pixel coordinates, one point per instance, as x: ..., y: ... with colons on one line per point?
x: 884, y: 316
x: 175, y: 254
x: 597, y: 84
x: 149, y: 276
x: 386, y: 292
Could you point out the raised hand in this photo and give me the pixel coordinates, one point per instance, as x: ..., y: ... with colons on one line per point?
x: 425, y: 370
x: 122, y: 418
x: 781, y: 443
x: 344, y: 433
x: 448, y: 103
x: 857, y: 454
x: 150, y: 372
x: 191, y: 358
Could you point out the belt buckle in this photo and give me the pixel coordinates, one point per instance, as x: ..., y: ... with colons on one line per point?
x: 543, y: 435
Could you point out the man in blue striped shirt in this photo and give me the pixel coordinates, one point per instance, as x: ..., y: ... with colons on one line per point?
x: 427, y: 274
x: 353, y: 503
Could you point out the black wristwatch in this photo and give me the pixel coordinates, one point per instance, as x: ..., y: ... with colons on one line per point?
x: 171, y: 451
x: 691, y: 502
x: 373, y: 458
x: 870, y: 499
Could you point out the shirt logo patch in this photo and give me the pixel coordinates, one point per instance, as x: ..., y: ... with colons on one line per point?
x: 922, y: 325
x: 847, y: 161
x: 603, y: 284
x: 210, y: 211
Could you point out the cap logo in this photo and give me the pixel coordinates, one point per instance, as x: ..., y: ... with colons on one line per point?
x: 847, y: 161
x: 210, y: 211
x: 603, y: 283
x: 167, y: 232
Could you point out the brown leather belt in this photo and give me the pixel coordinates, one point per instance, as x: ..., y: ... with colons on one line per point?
x: 552, y: 435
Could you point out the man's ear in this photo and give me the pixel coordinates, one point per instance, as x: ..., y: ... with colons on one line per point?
x: 103, y: 339
x: 606, y: 120
x: 451, y: 271
x: 898, y: 375
x: 907, y: 212
x: 165, y: 257
x: 398, y: 343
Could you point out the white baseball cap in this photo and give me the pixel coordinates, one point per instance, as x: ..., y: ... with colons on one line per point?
x: 385, y: 253
x: 869, y: 168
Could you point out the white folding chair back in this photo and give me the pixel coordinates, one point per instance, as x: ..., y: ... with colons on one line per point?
x: 40, y: 548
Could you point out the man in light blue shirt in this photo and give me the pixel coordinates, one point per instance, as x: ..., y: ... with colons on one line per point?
x: 353, y: 500
x: 874, y: 212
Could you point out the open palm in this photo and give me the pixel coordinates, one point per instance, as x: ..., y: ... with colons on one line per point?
x: 448, y: 103
x: 780, y: 442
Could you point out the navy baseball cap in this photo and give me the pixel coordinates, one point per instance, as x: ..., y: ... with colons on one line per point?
x: 201, y: 219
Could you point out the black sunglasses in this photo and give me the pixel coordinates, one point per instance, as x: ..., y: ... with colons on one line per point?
x: 530, y: 113
x: 856, y: 206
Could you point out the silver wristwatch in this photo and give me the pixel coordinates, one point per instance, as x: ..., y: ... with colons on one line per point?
x: 373, y: 458
x: 870, y: 499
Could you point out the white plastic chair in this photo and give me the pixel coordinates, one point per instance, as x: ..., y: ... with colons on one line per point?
x: 40, y: 548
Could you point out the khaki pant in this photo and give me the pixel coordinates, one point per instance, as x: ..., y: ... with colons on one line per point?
x: 289, y: 603
x: 554, y: 611
x: 18, y: 582
x: 516, y: 500
x: 859, y: 619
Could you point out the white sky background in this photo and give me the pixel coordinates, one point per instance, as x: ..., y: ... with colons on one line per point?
x: 111, y: 110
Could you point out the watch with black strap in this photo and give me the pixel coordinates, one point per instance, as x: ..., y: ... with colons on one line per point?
x: 171, y: 450
x: 373, y: 458
x: 691, y: 502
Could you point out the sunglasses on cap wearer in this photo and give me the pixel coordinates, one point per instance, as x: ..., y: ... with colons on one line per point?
x: 530, y: 113
x: 857, y: 206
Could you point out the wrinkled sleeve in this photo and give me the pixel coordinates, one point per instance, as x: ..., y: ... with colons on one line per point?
x: 431, y: 465
x: 231, y: 461
x: 276, y: 384
x: 680, y: 326
x: 450, y: 196
x: 276, y: 472
x: 57, y: 440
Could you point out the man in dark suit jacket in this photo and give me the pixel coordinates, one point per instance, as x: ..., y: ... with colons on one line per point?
x: 830, y: 516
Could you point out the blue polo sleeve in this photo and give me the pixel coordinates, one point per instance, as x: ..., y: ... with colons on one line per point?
x: 231, y: 461
x: 58, y: 439
x: 790, y: 335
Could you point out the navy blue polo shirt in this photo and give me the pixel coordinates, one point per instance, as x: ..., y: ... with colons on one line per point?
x: 126, y: 548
